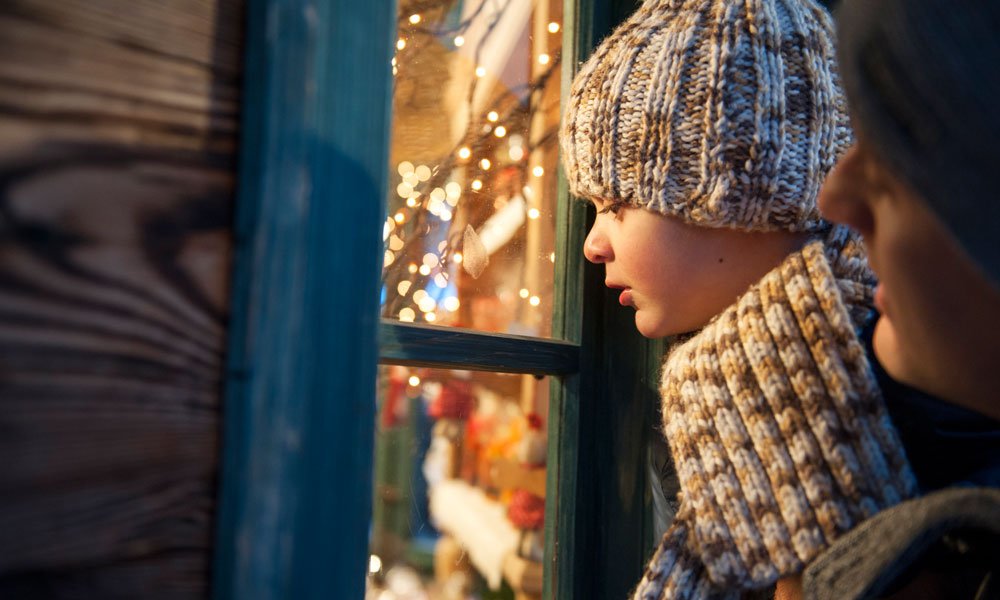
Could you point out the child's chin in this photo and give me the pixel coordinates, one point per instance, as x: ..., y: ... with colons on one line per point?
x: 651, y: 328
x: 654, y: 328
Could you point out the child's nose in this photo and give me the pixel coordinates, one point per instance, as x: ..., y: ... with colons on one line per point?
x: 596, y: 247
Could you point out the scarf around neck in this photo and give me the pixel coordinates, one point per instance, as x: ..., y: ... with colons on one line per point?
x: 778, y: 431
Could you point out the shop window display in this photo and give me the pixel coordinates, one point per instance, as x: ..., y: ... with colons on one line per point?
x: 469, y: 242
x: 459, y: 485
x: 470, y: 236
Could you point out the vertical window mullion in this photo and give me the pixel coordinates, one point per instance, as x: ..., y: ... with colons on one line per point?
x: 599, y: 517
x: 297, y: 441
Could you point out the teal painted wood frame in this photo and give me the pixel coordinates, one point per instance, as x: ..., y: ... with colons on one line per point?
x: 452, y: 347
x: 598, y: 508
x: 298, y: 412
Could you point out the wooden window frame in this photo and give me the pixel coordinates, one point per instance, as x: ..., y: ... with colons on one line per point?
x: 296, y: 474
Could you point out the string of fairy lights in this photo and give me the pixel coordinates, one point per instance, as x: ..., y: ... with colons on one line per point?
x: 430, y: 197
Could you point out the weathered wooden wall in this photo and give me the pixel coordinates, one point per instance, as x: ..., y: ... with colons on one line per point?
x: 118, y: 123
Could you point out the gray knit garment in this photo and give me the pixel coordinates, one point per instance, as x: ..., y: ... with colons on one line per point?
x: 722, y: 113
x: 778, y: 430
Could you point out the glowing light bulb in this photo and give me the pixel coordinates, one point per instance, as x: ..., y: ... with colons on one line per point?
x: 543, y: 59
x: 414, y: 19
x: 430, y: 317
x: 407, y: 315
x: 404, y: 168
x: 412, y: 268
x: 374, y: 564
x: 538, y: 171
x: 400, y: 218
x: 480, y: 71
x: 524, y: 293
x: 535, y: 301
x: 516, y: 153
x: 476, y: 185
x: 423, y: 172
x: 500, y: 131
x: 457, y: 258
x: 464, y: 153
x: 553, y: 27
x: 492, y: 116
x: 414, y: 380
x: 459, y: 41
x: 400, y: 44
x: 389, y: 258
x: 424, y: 270
x: 427, y: 304
x: 451, y: 304
x: 485, y: 164
x: 411, y: 201
x: 533, y: 213
x: 403, y: 287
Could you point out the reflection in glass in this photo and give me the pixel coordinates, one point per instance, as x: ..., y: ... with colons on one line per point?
x: 470, y: 235
x: 459, y: 485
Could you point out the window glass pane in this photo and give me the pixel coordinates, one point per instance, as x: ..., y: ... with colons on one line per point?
x: 470, y: 233
x: 459, y: 484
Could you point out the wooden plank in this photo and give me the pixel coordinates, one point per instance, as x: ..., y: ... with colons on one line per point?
x: 136, y: 74
x: 300, y: 410
x: 116, y: 182
x: 111, y: 324
x: 456, y: 348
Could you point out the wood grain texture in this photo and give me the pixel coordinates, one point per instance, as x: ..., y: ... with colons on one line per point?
x: 117, y: 134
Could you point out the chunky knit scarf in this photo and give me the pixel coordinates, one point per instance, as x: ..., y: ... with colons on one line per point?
x: 777, y: 429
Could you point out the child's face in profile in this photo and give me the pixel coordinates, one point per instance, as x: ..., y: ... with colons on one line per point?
x: 675, y: 275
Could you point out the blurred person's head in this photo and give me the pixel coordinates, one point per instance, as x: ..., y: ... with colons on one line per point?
x: 923, y: 85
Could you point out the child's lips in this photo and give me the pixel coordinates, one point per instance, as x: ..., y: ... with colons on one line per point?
x: 625, y: 298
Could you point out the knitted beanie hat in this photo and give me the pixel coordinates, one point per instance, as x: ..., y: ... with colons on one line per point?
x: 922, y: 80
x: 723, y: 113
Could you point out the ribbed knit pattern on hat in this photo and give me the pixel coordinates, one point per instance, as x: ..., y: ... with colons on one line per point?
x: 778, y: 430
x: 724, y: 113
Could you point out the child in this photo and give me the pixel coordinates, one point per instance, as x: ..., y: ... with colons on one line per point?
x: 701, y: 131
